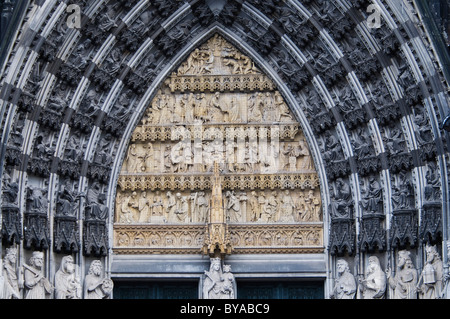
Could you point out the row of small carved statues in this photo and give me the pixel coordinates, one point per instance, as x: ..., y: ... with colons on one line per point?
x: 198, y: 157
x: 29, y: 281
x: 239, y: 207
x: 218, y: 108
x: 405, y: 284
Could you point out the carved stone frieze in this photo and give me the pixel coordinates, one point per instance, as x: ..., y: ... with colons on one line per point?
x: 244, y: 238
x: 282, y: 180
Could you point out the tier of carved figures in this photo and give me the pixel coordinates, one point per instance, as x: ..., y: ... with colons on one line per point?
x: 217, y: 107
x: 270, y: 206
x: 30, y: 282
x: 406, y: 282
x: 245, y: 156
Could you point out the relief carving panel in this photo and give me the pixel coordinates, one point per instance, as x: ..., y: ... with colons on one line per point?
x: 218, y: 134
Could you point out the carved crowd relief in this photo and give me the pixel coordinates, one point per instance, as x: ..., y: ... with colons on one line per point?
x: 263, y: 206
x: 217, y: 121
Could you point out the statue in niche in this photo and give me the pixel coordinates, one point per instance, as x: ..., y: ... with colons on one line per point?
x: 312, y: 207
x: 361, y: 145
x: 67, y: 199
x: 233, y: 210
x: 283, y: 114
x: 36, y: 202
x: 292, y: 153
x: 38, y: 287
x: 340, y: 206
x: 144, y: 208
x: 430, y: 284
x: 166, y: 113
x: 234, y: 111
x: 215, y: 108
x: 200, y: 110
x: 287, y: 208
x: 269, y: 111
x: 67, y: 281
x: 255, y: 107
x: 96, y: 286
x: 403, y: 194
x: 270, y: 209
x: 125, y: 214
x: 372, y: 198
x: 255, y: 207
x: 432, y: 188
x: 181, y: 210
x: 171, y: 206
x: 187, y: 104
x: 405, y: 281
x: 393, y: 140
x: 157, y: 206
x: 422, y: 127
x: 73, y: 148
x: 168, y: 167
x: 132, y: 159
x: 218, y: 285
x: 11, y: 283
x: 10, y: 191
x: 201, y: 207
x: 331, y: 147
x: 373, y: 286
x: 95, y: 203
x: 345, y: 284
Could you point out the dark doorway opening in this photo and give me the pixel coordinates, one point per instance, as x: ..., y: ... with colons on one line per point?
x: 280, y: 289
x: 156, y: 289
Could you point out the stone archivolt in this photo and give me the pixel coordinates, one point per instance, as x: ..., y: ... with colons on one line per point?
x: 218, y: 108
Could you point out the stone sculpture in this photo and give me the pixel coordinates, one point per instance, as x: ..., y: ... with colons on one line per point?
x: 373, y: 286
x: 96, y: 286
x: 405, y: 281
x: 345, y: 284
x: 430, y: 284
x: 217, y: 284
x: 11, y: 275
x: 38, y: 287
x: 67, y: 281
